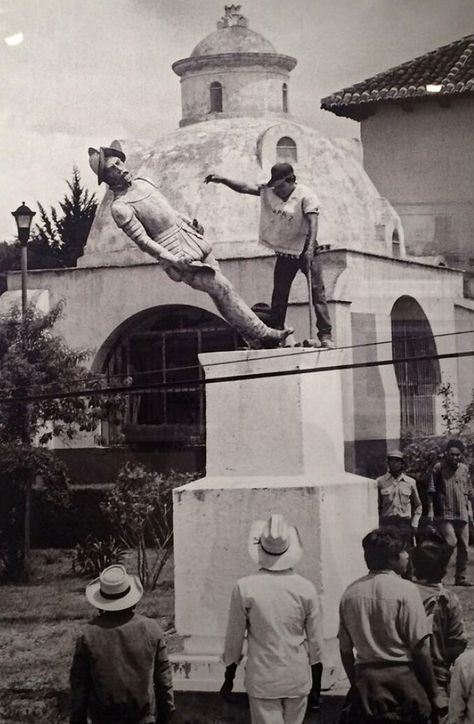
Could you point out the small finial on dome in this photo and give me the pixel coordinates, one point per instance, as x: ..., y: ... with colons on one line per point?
x: 232, y: 17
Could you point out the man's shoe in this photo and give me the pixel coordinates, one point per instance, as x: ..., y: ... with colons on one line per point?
x: 466, y: 584
x: 327, y: 342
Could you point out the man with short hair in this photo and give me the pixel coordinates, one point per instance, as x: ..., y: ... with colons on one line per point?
x: 398, y: 500
x: 279, y: 611
x: 451, y: 491
x: 382, y: 619
x: 178, y: 244
x: 430, y: 561
x: 289, y: 227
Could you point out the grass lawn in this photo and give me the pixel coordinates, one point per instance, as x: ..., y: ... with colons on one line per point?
x: 39, y: 624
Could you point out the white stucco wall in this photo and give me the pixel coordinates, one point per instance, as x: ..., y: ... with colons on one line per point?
x: 352, y: 213
x: 245, y: 92
x: 362, y: 289
x: 425, y: 170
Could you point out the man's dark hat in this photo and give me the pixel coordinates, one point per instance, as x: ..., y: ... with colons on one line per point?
x: 263, y: 311
x: 97, y: 158
x: 279, y: 172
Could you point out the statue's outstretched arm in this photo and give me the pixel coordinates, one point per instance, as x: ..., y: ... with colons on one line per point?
x: 125, y: 218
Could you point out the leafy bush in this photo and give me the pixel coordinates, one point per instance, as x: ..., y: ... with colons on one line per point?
x: 140, y: 511
x: 421, y: 452
x: 92, y: 556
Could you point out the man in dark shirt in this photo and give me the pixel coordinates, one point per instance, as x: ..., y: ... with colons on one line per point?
x: 448, y: 640
x: 120, y: 672
x: 450, y: 491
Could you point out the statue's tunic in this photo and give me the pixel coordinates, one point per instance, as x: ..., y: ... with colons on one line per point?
x: 147, y: 217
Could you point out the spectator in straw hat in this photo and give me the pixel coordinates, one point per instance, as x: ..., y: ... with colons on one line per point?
x: 120, y: 672
x: 279, y: 611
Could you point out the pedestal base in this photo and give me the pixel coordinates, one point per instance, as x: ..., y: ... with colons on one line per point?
x: 212, y: 519
x: 193, y: 672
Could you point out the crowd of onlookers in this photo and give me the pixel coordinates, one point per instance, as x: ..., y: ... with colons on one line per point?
x: 401, y: 635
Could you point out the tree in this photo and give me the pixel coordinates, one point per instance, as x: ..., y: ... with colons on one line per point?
x: 64, y: 233
x: 60, y: 237
x: 139, y: 508
x: 34, y: 362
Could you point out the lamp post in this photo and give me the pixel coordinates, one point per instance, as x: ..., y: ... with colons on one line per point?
x: 23, y: 217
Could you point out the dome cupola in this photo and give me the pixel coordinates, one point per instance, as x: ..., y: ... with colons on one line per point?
x: 233, y: 72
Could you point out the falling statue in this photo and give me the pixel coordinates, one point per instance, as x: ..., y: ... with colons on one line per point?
x: 178, y: 244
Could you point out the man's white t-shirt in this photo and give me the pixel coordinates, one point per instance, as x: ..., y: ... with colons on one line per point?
x: 284, y: 225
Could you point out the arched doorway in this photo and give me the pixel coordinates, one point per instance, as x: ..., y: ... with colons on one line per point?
x: 418, y: 381
x: 162, y: 346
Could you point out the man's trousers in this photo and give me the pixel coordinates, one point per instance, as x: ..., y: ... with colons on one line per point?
x: 284, y: 273
x: 290, y: 710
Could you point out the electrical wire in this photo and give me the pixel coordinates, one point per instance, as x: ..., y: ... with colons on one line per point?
x: 191, y: 368
x: 186, y: 384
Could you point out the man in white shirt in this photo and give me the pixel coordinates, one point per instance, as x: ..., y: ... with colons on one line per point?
x: 289, y: 226
x: 461, y: 698
x: 384, y: 641
x: 279, y: 611
x: 398, y: 499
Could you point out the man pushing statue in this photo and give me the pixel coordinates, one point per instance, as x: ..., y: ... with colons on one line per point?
x: 176, y: 242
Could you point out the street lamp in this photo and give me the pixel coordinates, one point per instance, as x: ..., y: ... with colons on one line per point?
x: 23, y: 217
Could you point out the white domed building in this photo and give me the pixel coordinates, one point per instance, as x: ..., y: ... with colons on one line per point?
x: 237, y: 122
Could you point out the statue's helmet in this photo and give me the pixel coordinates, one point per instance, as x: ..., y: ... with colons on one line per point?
x: 97, y: 158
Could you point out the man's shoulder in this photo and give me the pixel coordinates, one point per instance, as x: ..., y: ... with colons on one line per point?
x: 386, y: 583
x: 306, y: 586
x: 385, y: 478
x: 304, y: 190
x: 408, y: 479
x: 358, y: 585
x: 465, y: 660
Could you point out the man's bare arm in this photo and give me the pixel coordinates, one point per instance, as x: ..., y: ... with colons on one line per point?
x: 239, y: 186
x: 423, y: 666
x: 348, y: 663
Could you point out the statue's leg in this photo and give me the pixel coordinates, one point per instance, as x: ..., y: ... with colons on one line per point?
x: 232, y: 307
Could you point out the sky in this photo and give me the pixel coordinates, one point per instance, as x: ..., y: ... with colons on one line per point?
x: 88, y: 71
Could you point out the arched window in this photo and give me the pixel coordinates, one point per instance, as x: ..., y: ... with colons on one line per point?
x: 162, y: 346
x: 216, y: 97
x: 417, y: 381
x: 286, y: 150
x: 396, y: 244
x: 284, y: 97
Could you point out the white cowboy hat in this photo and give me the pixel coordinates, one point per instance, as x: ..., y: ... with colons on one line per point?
x: 274, y: 544
x: 114, y: 590
x: 97, y: 158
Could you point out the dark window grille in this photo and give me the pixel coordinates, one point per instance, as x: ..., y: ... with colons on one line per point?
x: 216, y: 97
x: 284, y: 97
x: 286, y: 150
x: 418, y: 381
x: 154, y: 351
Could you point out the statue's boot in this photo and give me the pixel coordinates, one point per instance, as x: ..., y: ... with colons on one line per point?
x: 233, y: 308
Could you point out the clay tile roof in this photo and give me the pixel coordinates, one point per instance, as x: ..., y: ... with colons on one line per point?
x: 451, y: 66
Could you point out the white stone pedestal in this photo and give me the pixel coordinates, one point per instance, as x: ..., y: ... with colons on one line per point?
x: 274, y: 445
